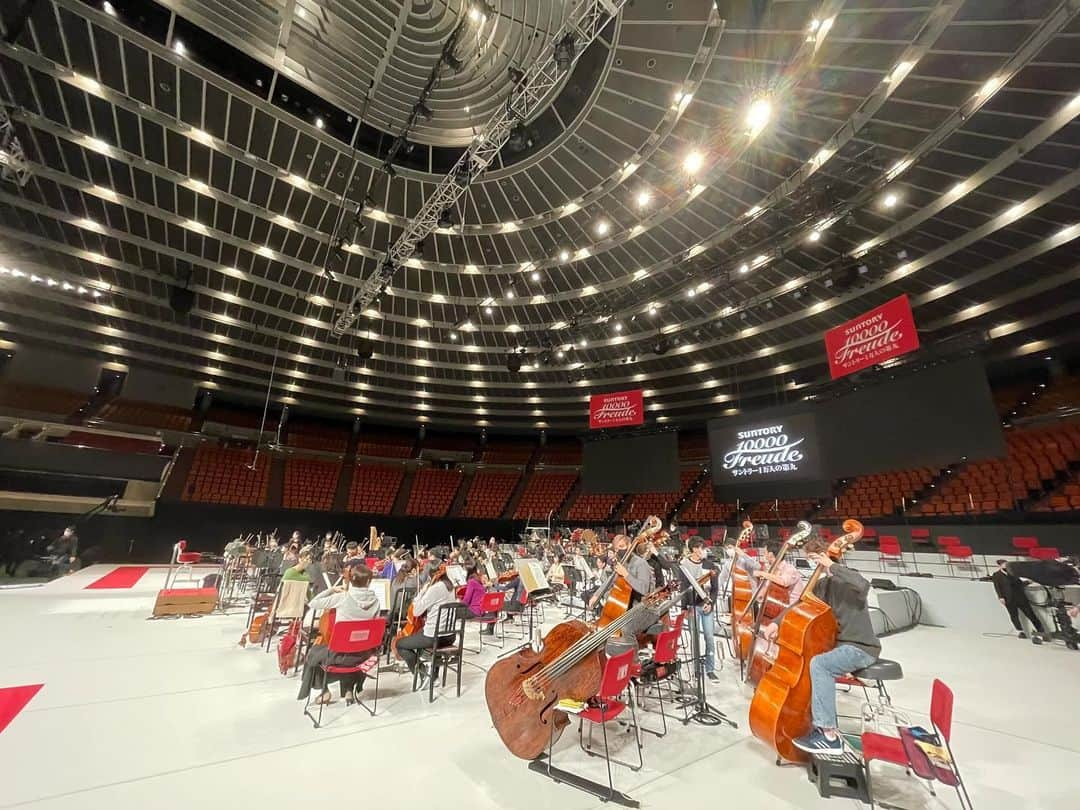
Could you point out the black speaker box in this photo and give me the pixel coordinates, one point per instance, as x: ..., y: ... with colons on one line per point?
x: 181, y: 299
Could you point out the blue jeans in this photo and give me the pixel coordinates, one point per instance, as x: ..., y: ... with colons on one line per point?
x: 707, y: 624
x: 824, y: 670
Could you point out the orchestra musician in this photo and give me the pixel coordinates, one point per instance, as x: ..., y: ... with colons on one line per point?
x: 352, y: 602
x: 475, y: 588
x: 556, y: 576
x: 785, y: 574
x: 635, y: 571
x: 439, y: 591
x: 691, y: 570
x: 845, y: 592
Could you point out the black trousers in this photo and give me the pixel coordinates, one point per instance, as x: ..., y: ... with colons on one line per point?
x: 313, y: 676
x: 409, y: 647
x: 1017, y: 604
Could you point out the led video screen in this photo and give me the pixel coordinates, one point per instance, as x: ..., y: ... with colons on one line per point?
x: 632, y: 464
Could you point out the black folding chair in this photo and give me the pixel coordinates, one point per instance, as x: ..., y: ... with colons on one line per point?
x: 449, y: 621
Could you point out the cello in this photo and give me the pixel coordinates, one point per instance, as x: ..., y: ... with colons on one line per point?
x: 780, y: 710
x: 523, y: 690
x: 413, y: 623
x: 777, y: 599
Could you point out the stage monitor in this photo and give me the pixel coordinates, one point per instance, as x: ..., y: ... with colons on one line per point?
x: 631, y: 465
x: 767, y: 455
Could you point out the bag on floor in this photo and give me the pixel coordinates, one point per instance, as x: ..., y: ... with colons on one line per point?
x: 287, y: 647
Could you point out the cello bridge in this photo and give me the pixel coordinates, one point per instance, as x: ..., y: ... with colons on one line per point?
x: 532, y: 689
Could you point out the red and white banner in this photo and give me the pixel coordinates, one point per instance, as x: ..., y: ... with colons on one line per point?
x: 619, y: 409
x: 876, y: 336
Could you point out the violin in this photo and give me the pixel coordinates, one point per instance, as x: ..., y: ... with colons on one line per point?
x: 780, y: 710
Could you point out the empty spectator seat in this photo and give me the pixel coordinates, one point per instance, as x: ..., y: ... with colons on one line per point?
x: 433, y: 492
x: 560, y: 452
x: 146, y: 414
x: 507, y: 451
x: 40, y: 399
x: 374, y: 488
x: 592, y: 507
x: 544, y: 493
x: 659, y: 503
x: 385, y: 445
x: 221, y: 475
x: 879, y: 495
x: 702, y: 507
x: 310, y: 483
x: 489, y: 492
x: 794, y: 510
x: 312, y: 436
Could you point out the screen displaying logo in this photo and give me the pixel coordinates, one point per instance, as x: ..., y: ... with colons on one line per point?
x: 618, y: 409
x: 874, y: 337
x: 784, y: 448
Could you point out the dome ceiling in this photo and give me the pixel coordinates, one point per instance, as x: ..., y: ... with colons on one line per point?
x: 714, y: 185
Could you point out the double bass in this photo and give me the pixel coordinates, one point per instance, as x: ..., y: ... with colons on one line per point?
x: 780, y: 710
x: 742, y: 596
x: 619, y: 591
x: 523, y: 690
x: 775, y: 601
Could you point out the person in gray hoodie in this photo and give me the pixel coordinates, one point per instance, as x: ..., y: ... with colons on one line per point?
x: 352, y: 602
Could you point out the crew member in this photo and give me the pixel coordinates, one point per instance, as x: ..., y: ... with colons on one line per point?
x: 690, y: 571
x: 1011, y: 594
x: 844, y: 591
x: 65, y: 551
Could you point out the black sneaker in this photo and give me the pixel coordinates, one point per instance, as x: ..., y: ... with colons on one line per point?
x: 712, y: 676
x: 1036, y: 639
x: 817, y: 743
x: 1021, y: 634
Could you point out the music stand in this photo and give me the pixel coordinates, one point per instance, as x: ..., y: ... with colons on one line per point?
x: 703, y: 712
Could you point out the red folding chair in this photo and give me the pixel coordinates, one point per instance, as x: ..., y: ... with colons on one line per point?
x: 604, y: 708
x: 659, y: 671
x: 960, y: 555
x: 889, y: 551
x: 353, y: 638
x: 1024, y: 545
x: 905, y: 752
x: 490, y: 608
x: 184, y: 559
x: 1044, y: 553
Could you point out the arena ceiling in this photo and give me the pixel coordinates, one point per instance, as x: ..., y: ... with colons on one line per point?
x: 714, y: 185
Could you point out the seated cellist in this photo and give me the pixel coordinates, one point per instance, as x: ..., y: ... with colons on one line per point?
x: 845, y: 591
x: 635, y: 571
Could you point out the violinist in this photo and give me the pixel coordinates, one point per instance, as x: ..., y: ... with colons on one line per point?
x: 352, y: 602
x: 405, y: 578
x: 556, y: 576
x: 690, y: 571
x: 475, y: 588
x: 844, y: 591
x: 439, y: 591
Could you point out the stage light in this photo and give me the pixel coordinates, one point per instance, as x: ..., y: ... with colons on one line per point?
x: 453, y: 336
x: 815, y: 236
x: 693, y: 162
x: 564, y: 255
x: 422, y: 110
x: 583, y: 343
x: 178, y: 46
x: 758, y: 116
x: 510, y: 293
x: 463, y: 171
x: 488, y: 310
x: 519, y: 139
x: 535, y: 275
x: 602, y: 227
x: 109, y: 8
x: 565, y: 49
x: 516, y: 76
x: 890, y: 200
x: 644, y: 197
x: 744, y: 268
x: 618, y: 326
x: 320, y: 123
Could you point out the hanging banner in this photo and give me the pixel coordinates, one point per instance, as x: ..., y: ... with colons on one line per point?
x: 618, y: 409
x: 876, y: 336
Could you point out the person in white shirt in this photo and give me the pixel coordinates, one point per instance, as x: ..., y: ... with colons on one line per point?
x: 438, y: 592
x: 354, y: 602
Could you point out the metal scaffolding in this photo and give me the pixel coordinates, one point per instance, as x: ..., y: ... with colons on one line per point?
x: 577, y: 33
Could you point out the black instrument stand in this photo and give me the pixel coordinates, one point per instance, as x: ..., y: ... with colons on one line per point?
x: 699, y: 709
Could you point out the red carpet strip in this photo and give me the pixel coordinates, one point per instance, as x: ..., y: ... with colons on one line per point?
x: 119, y: 578
x: 13, y: 699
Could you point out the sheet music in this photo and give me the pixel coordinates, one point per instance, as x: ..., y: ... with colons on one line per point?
x: 457, y: 574
x: 532, y: 575
x: 381, y: 587
x: 693, y: 579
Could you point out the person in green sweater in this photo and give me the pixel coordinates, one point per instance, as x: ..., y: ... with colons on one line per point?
x: 299, y: 571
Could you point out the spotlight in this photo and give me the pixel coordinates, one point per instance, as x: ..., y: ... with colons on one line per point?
x: 320, y: 123
x: 759, y: 115
x: 519, y: 139
x: 565, y: 49
x: 446, y: 218
x: 644, y: 197
x: 535, y: 275
x: 693, y: 162
x: 602, y: 227
x: 662, y: 346
x: 422, y: 110
x: 564, y: 255
x: 453, y: 336
x: 890, y: 200
x: 108, y: 8
x: 463, y: 171
x: 516, y: 76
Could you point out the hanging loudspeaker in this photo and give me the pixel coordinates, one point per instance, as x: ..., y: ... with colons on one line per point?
x: 181, y: 299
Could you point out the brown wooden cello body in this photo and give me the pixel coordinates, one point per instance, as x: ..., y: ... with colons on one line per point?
x: 525, y: 723
x: 780, y: 710
x: 742, y: 594
x: 621, y: 593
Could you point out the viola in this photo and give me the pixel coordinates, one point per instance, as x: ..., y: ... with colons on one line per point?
x: 780, y: 710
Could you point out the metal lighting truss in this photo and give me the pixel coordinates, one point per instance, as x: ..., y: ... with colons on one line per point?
x: 13, y: 165
x: 582, y: 27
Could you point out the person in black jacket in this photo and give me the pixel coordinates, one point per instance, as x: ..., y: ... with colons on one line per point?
x: 845, y: 591
x: 691, y: 569
x: 1011, y: 594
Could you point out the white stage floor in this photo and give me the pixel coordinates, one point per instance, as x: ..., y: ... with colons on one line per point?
x: 172, y: 713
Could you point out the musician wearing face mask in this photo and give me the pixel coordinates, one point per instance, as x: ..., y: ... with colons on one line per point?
x: 702, y: 602
x: 844, y: 591
x: 634, y: 570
